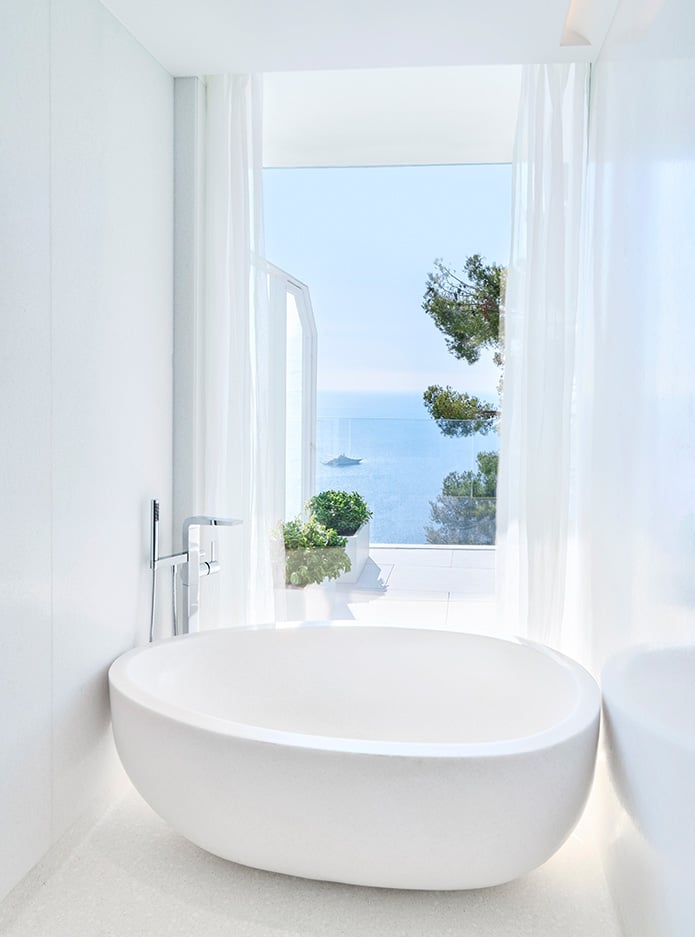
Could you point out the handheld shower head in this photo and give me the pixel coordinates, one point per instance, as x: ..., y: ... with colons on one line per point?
x: 154, y: 533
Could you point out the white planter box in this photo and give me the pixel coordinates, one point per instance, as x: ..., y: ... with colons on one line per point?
x: 310, y: 603
x: 319, y: 602
x: 357, y: 548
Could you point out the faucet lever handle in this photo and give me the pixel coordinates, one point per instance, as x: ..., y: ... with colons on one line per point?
x: 213, y: 565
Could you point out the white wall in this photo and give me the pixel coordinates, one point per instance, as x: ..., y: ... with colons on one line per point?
x: 640, y: 501
x: 25, y: 437
x: 85, y: 374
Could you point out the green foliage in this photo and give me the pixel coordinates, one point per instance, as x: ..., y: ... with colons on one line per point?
x: 465, y: 510
x: 458, y: 414
x: 313, y: 552
x: 344, y: 511
x: 467, y: 308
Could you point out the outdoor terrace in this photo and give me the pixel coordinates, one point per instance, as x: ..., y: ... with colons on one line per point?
x: 450, y: 587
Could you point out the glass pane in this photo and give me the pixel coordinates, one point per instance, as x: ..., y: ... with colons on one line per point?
x: 294, y: 410
x: 422, y: 486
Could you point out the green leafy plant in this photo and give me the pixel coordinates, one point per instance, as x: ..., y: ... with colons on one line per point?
x: 344, y: 511
x: 313, y: 552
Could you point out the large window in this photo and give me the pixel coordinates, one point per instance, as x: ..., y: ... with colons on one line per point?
x: 366, y: 240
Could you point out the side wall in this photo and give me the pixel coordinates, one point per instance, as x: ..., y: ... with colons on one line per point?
x: 86, y: 203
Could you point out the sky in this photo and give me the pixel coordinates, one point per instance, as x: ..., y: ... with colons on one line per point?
x: 364, y: 240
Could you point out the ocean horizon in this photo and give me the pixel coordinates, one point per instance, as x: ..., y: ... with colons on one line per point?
x: 380, y: 405
x: 404, y: 457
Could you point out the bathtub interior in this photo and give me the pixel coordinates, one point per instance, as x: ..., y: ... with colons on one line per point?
x: 404, y: 685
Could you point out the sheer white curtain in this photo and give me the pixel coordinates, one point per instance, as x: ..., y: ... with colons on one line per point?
x: 535, y: 489
x: 237, y: 448
x: 637, y: 481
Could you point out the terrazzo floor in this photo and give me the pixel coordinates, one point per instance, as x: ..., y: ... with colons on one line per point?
x: 131, y: 876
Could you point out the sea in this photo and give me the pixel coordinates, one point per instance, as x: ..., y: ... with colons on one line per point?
x: 404, y: 458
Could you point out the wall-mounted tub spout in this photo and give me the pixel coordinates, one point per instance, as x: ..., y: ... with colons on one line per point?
x: 191, y: 559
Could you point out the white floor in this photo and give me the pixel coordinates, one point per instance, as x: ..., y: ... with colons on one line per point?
x: 133, y: 877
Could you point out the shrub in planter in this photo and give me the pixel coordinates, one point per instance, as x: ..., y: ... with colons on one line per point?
x: 344, y: 511
x: 313, y: 552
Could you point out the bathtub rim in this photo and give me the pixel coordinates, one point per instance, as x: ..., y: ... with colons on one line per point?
x: 585, y: 714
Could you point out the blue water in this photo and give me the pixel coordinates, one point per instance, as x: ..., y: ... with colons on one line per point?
x: 404, y: 458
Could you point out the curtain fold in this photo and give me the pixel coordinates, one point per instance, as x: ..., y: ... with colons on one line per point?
x: 536, y: 489
x: 238, y: 454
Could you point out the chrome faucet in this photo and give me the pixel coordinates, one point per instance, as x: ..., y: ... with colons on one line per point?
x: 195, y: 567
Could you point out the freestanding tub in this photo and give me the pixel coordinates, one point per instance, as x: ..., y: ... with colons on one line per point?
x: 393, y: 757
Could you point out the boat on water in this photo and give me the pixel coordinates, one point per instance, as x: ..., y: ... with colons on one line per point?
x: 343, y: 460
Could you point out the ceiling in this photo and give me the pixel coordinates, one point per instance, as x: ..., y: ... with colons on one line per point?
x: 390, y: 116
x: 198, y: 37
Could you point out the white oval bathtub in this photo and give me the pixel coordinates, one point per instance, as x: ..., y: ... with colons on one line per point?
x: 394, y: 757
